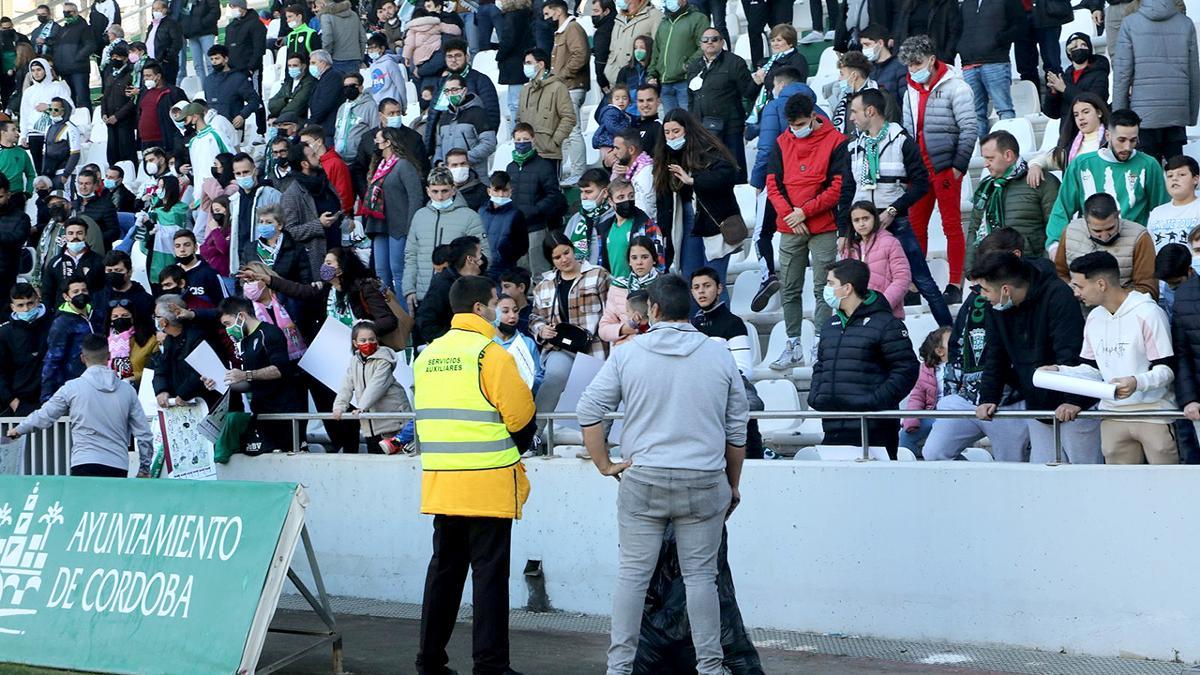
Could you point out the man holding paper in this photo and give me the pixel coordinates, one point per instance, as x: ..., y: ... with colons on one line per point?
x: 1035, y: 321
x: 1127, y: 343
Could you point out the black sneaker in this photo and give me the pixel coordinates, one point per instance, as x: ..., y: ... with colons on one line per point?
x: 952, y: 295
x: 912, y: 298
x: 765, y: 291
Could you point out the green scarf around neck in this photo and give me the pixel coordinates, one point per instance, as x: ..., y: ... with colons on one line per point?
x: 989, y: 198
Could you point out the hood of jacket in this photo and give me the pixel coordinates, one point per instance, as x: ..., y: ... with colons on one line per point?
x: 45, y: 66
x: 1132, y: 302
x: 1107, y: 155
x: 543, y: 81
x: 672, y: 339
x: 425, y: 23
x: 1158, y: 10
x: 871, y: 305
x: 101, y: 378
x: 338, y: 9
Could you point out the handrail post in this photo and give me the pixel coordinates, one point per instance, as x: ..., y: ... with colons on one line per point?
x: 296, y: 434
x: 1058, y: 450
x: 866, y: 444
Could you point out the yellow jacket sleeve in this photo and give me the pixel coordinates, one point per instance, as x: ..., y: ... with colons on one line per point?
x: 501, y: 384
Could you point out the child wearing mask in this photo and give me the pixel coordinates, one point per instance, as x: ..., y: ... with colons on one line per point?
x: 370, y: 387
x: 522, y: 347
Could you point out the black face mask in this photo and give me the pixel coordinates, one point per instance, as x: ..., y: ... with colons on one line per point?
x: 81, y: 301
x: 114, y: 279
x: 43, y: 19
x: 505, y: 329
x: 1079, y: 56
x: 185, y: 260
x: 117, y: 65
x: 59, y: 213
x: 1110, y: 242
x: 625, y: 209
x: 350, y: 92
x: 43, y: 194
x: 122, y: 324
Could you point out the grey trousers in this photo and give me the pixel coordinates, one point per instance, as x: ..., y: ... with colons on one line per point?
x: 696, y: 502
x: 534, y: 261
x: 1009, y: 437
x: 557, y: 367
x: 573, y: 150
x: 1080, y: 442
x: 1113, y: 16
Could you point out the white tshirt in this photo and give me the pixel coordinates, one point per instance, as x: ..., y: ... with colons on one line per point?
x: 1170, y: 224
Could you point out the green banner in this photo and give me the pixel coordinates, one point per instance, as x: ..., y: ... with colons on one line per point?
x: 134, y: 576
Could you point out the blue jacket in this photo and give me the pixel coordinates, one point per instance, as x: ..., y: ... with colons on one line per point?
x: 63, y: 346
x: 506, y: 235
x: 613, y: 121
x: 540, y: 373
x: 231, y: 93
x: 773, y: 122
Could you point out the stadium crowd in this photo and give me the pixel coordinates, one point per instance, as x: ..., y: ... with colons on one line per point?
x: 240, y: 177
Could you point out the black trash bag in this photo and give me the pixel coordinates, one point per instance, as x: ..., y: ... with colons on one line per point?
x: 666, y: 640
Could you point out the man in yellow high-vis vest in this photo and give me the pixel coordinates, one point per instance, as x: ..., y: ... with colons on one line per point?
x: 471, y: 403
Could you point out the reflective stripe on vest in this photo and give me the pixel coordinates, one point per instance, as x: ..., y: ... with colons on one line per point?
x: 458, y: 428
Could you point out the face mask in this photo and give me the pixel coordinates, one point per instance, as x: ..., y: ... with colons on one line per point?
x: 152, y: 168
x: 395, y: 122
x: 134, y: 58
x: 235, y: 13
x: 265, y: 231
x: 350, y: 92
x: 374, y: 56
x: 801, y: 133
x: 150, y: 82
x: 114, y: 279
x: 245, y: 182
x: 122, y: 324
x: 529, y: 71
x: 110, y: 184
x: 1079, y: 56
x: 622, y: 5
x: 507, y: 330
x: 1003, y: 305
x: 253, y: 290
x: 76, y: 246
x: 588, y: 204
x: 676, y: 143
x: 28, y: 315
x: 871, y: 53
x: 293, y: 73
x: 455, y: 99
x: 43, y: 19
x: 293, y: 24
x: 671, y: 6
x: 831, y: 298
x: 460, y: 173
x: 921, y: 76
x: 625, y: 209
x: 639, y: 54
x: 501, y: 201
x: 843, y: 86
x: 441, y: 205
x: 367, y: 348
x: 117, y: 65
x: 1100, y: 242
x: 328, y: 272
x: 185, y: 259
x: 313, y: 70
x: 81, y: 301
x: 158, y: 16
x: 523, y: 146
x: 238, y: 330
x: 56, y: 118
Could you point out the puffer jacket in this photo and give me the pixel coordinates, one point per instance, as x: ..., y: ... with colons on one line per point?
x: 625, y: 30
x: 291, y: 261
x: 1026, y: 210
x: 484, y: 89
x: 546, y: 106
x: 64, y: 343
x: 370, y: 383
x: 948, y: 125
x: 924, y: 396
x: 939, y: 19
x: 569, y: 59
x: 676, y: 42
x: 246, y: 38
x: 536, y: 192
x: 199, y: 17
x: 807, y: 173
x: 432, y: 228
x: 465, y: 127
x: 515, y: 30
x: 772, y: 123
x: 890, y: 273
x: 865, y: 361
x: 423, y: 38
x: 1164, y: 89
x: 341, y: 32
x: 989, y: 28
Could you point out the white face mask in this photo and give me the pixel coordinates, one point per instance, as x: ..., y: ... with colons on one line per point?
x: 460, y: 173
x: 157, y: 15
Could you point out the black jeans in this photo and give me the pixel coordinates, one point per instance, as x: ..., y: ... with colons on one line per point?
x: 880, y: 433
x: 922, y: 279
x: 343, y: 435
x: 715, y: 9
x: 1026, y: 47
x: 121, y: 145
x: 1162, y: 144
x: 484, y: 544
x: 766, y: 238
x: 758, y: 15
x: 99, y: 471
x: 814, y: 12
x: 1185, y: 437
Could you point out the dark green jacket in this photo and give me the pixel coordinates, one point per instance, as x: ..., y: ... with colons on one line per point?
x: 1026, y: 210
x: 676, y: 43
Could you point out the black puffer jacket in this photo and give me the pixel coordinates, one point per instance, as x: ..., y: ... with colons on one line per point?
x: 515, y: 30
x: 864, y: 362
x: 172, y: 374
x: 22, y: 348
x: 246, y: 39
x: 14, y: 232
x: 72, y: 48
x: 939, y: 19
x: 1185, y: 333
x: 291, y: 261
x: 713, y: 197
x: 988, y: 30
x: 1046, y: 329
x: 201, y: 19
x: 1094, y: 79
x: 536, y: 192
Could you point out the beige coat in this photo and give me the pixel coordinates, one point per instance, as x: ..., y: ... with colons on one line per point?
x: 546, y: 106
x: 626, y: 29
x: 370, y: 384
x: 569, y: 60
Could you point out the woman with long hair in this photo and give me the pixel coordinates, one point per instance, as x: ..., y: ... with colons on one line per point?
x: 393, y: 195
x: 635, y: 73
x: 696, y: 168
x: 214, y: 247
x: 131, y: 340
x: 1084, y: 131
x: 166, y: 215
x: 618, y: 324
x: 881, y: 251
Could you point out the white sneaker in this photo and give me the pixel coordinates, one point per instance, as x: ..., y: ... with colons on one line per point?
x: 812, y: 357
x: 812, y: 37
x: 829, y: 35
x: 792, y: 357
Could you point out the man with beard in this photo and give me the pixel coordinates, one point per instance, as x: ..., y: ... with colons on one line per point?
x: 304, y: 188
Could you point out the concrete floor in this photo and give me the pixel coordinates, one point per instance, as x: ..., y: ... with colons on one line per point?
x: 373, y: 645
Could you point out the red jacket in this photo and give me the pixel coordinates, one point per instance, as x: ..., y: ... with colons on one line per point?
x: 339, y: 178
x: 811, y: 169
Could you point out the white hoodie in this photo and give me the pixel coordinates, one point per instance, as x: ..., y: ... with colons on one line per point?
x: 1129, y: 343
x: 40, y: 92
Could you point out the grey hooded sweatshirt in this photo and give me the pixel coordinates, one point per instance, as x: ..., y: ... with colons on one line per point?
x: 1156, y: 69
x: 105, y: 413
x: 684, y: 399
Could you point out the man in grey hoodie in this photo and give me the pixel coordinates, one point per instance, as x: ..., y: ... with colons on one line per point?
x: 683, y: 445
x: 105, y: 413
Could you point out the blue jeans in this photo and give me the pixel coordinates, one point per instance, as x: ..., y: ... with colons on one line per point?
x: 921, y: 277
x: 514, y: 101
x: 468, y: 19
x: 915, y: 440
x: 389, y: 263
x: 674, y: 95
x: 991, y: 81
x: 1031, y: 41
x: 346, y: 67
x: 691, y: 255
x: 486, y: 18
x: 199, y: 48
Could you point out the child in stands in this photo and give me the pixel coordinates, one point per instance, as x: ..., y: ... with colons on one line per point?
x: 925, y: 394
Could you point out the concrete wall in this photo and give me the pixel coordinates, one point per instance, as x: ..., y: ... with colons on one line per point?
x: 1098, y: 560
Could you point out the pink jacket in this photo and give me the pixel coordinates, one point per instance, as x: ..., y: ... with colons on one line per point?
x: 615, y: 315
x: 924, y: 396
x: 424, y: 38
x: 890, y: 273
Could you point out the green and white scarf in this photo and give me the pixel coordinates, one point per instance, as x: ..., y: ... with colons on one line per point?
x: 989, y: 198
x: 870, y: 167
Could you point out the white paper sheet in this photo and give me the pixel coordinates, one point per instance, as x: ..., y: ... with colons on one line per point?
x: 206, y: 362
x: 328, y: 357
x: 1069, y: 384
x: 583, y: 371
x: 146, y: 393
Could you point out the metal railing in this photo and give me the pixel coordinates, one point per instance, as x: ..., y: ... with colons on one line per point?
x: 48, y: 451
